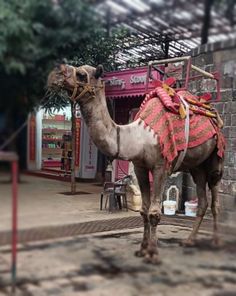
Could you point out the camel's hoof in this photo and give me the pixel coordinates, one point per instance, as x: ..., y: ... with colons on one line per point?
x: 188, y: 243
x: 140, y: 253
x: 152, y: 259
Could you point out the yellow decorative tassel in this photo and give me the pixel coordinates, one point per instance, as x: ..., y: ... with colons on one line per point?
x: 170, y: 91
x: 182, y: 111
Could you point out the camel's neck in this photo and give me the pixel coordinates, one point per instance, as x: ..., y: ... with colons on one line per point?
x: 102, y: 128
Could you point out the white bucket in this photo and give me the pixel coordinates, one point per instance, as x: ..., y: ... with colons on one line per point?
x: 169, y: 207
x: 190, y: 209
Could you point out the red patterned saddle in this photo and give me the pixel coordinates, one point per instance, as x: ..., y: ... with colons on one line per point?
x: 161, y: 114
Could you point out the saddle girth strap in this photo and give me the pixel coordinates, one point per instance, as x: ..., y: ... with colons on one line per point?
x: 186, y: 132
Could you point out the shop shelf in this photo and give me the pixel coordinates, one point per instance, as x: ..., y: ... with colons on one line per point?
x: 51, y: 140
x: 51, y: 151
x: 60, y: 121
x: 51, y: 163
x: 49, y: 130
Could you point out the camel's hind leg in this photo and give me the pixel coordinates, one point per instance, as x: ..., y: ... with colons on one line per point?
x: 214, y: 177
x: 144, y: 184
x: 200, y: 178
x: 215, y: 208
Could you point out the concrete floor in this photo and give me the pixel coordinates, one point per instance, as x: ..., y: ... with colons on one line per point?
x: 42, y: 204
x: 103, y: 264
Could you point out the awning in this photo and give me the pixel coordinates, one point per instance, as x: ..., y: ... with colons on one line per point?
x: 128, y: 83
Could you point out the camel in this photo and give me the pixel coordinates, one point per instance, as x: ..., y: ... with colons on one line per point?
x: 135, y: 143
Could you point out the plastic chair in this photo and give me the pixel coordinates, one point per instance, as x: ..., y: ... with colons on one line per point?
x: 120, y: 192
x: 108, y: 188
x: 116, y: 195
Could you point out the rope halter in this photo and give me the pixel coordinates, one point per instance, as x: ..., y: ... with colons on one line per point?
x: 87, y: 87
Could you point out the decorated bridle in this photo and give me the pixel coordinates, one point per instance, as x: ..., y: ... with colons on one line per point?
x: 87, y: 86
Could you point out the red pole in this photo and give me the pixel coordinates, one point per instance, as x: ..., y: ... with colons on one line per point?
x: 188, y: 72
x: 14, y: 223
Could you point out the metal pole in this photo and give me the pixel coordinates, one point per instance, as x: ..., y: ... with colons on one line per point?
x: 73, y: 144
x: 218, y: 96
x: 171, y: 60
x: 203, y: 72
x: 188, y: 72
x: 14, y: 223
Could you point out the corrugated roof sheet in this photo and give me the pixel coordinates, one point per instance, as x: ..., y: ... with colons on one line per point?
x: 155, y: 23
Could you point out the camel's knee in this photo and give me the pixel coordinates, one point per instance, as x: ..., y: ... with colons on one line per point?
x: 154, y: 218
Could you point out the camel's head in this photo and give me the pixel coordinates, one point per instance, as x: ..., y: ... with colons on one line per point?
x: 75, y: 79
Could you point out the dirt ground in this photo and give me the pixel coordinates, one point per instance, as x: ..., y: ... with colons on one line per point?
x: 104, y: 264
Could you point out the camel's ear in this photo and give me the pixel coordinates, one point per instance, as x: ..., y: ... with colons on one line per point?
x: 63, y: 68
x: 99, y: 71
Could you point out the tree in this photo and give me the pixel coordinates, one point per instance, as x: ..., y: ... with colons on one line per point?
x: 34, y: 35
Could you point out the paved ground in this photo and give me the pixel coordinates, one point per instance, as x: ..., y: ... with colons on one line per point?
x: 41, y: 204
x: 103, y: 264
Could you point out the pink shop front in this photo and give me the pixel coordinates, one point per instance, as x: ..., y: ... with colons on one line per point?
x: 125, y: 91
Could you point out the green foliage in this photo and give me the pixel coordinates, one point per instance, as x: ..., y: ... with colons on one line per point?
x: 101, y: 50
x: 54, y: 100
x: 35, y: 34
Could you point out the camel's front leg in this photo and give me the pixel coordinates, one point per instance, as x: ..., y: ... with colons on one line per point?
x: 144, y: 184
x: 154, y: 215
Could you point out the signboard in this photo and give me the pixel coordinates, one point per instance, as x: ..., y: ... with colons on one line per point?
x: 77, y: 141
x: 88, y: 163
x: 32, y: 138
x: 131, y: 82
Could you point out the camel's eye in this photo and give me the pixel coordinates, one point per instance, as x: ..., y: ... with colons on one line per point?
x: 81, y: 76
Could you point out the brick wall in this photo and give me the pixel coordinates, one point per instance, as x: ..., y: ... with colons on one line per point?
x: 220, y: 56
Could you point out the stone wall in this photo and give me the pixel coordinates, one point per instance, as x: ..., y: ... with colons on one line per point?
x: 220, y: 56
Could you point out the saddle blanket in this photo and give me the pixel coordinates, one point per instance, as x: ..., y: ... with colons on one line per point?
x: 169, y: 128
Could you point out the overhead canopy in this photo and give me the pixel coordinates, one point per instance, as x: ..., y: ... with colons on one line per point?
x: 129, y: 83
x: 164, y: 27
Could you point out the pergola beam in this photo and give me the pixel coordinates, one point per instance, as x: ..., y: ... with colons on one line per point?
x: 154, y: 26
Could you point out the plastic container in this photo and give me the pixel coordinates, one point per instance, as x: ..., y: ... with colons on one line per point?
x: 169, y: 207
x: 190, y: 209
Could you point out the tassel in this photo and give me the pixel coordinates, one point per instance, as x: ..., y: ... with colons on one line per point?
x: 182, y: 111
